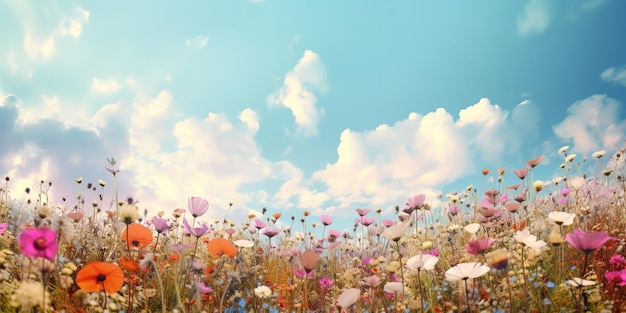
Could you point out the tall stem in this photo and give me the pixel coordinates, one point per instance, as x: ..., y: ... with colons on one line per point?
x: 419, y: 280
x: 401, y: 267
x: 469, y: 309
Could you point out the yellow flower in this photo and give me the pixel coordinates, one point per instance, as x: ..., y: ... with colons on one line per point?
x: 128, y: 213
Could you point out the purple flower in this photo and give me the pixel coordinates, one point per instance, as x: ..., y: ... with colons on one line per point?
x: 197, y: 206
x: 160, y: 225
x: 39, y: 242
x: 587, y: 242
x: 196, y: 231
x: 367, y: 221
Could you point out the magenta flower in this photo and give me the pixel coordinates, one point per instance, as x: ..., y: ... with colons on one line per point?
x: 39, y: 242
x: 617, y: 259
x: 326, y: 220
x: 3, y: 228
x: 587, y: 242
x: 616, y: 277
x: 326, y: 283
x: 196, y: 231
x: 475, y: 247
x: 197, y: 206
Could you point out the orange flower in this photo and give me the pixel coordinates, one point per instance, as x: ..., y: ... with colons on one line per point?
x: 137, y: 235
x: 485, y: 172
x: 219, y: 246
x: 209, y: 270
x: 174, y: 257
x: 277, y: 215
x: 96, y: 276
x: 128, y: 264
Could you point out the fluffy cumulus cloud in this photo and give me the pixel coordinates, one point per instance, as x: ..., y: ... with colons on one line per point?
x: 298, y: 92
x: 163, y: 158
x: 615, y: 75
x: 592, y: 124
x: 535, y: 18
x: 47, y: 149
x: 384, y: 166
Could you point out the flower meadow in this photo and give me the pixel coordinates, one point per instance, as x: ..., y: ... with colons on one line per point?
x: 519, y: 244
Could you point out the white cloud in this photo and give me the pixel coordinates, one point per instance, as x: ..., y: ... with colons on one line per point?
x: 37, y: 48
x: 104, y: 85
x: 250, y: 118
x: 149, y: 122
x: 297, y: 92
x: 615, y: 75
x: 534, y: 19
x: 384, y: 166
x: 593, y: 124
x: 197, y: 42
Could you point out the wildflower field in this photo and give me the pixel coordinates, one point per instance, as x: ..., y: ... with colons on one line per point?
x: 525, y: 244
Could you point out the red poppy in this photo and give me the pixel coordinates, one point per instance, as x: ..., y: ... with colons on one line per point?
x: 219, y: 246
x: 96, y: 276
x: 137, y: 235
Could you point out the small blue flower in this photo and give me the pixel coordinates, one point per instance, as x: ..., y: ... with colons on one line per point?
x: 550, y: 285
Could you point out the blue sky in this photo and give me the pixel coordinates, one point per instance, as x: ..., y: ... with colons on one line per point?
x: 303, y: 105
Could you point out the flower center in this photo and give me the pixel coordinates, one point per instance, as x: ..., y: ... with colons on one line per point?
x: 101, y: 278
x: 40, y: 244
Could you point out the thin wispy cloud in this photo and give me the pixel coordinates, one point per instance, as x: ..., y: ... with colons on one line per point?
x: 197, y: 42
x: 535, y: 19
x: 615, y: 75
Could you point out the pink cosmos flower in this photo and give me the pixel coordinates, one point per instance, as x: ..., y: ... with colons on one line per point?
x: 271, y: 232
x: 367, y: 221
x: 454, y: 209
x: 326, y: 219
x: 39, y: 242
x: 475, y: 247
x: 587, y: 242
x: 522, y: 173
x: 534, y: 162
x: 75, y: 216
x: 362, y: 212
x: 3, y: 228
x: 417, y: 201
x: 197, y: 206
x: 258, y: 224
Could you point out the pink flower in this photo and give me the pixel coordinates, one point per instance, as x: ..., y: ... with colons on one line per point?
x: 475, y: 247
x: 197, y: 206
x: 534, y: 162
x: 522, y: 173
x: 271, y: 232
x: 362, y: 212
x: 617, y: 259
x: 3, y: 228
x: 75, y: 216
x: 367, y: 221
x: 454, y: 209
x: 258, y: 224
x: 417, y: 201
x: 39, y: 242
x: 616, y: 277
x: 587, y: 242
x: 326, y: 219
